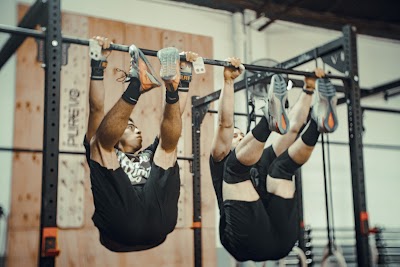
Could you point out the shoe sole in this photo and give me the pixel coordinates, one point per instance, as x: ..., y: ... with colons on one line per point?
x: 150, y: 73
x: 326, y: 113
x: 133, y: 71
x: 147, y: 77
x: 277, y: 95
x: 169, y: 58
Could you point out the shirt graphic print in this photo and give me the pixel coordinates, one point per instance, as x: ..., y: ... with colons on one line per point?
x: 136, y: 167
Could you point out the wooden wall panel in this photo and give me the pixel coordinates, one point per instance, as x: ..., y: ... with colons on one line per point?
x: 23, y: 227
x: 26, y: 194
x: 74, y: 83
x: 26, y: 254
x: 115, y: 31
x: 81, y: 247
x: 29, y: 101
x: 73, y: 124
x: 148, y: 112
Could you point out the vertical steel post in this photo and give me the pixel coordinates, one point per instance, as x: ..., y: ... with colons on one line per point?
x: 353, y: 95
x: 198, y: 113
x: 196, y: 124
x: 48, y: 223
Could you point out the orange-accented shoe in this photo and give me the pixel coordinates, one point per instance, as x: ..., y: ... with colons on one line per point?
x: 324, y: 108
x: 170, y: 67
x: 274, y: 110
x: 141, y: 68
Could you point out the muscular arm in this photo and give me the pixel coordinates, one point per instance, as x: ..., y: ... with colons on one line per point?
x: 96, y: 105
x: 222, y: 141
x: 96, y: 87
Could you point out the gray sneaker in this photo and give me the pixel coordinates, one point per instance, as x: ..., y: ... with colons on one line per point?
x: 170, y: 67
x: 324, y: 107
x: 141, y: 69
x: 274, y: 110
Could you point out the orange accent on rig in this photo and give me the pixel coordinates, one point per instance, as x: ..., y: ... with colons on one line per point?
x: 49, y: 242
x: 196, y: 225
x: 364, y: 222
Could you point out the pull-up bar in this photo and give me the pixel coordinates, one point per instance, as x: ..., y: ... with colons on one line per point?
x: 124, y: 48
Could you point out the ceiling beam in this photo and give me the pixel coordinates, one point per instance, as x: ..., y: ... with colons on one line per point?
x: 331, y: 21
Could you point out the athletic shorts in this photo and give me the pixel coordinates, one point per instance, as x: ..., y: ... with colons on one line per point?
x: 138, y: 217
x: 266, y: 229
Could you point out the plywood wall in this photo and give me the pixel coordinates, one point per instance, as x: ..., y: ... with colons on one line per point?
x: 80, y: 246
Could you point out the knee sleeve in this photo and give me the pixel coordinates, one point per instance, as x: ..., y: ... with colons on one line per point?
x: 283, y: 167
x: 235, y: 172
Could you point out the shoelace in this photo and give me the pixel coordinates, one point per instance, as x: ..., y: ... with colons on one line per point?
x: 123, y: 76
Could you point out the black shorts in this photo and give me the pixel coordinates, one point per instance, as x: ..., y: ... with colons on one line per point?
x: 140, y: 216
x: 266, y: 229
x: 260, y: 171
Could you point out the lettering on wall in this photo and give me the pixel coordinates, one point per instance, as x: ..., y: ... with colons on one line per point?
x: 73, y: 119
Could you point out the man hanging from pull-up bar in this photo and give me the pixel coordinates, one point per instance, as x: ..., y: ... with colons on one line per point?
x: 135, y: 192
x: 253, y: 184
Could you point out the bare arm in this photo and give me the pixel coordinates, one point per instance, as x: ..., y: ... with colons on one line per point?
x: 96, y: 105
x: 222, y: 142
x: 96, y: 91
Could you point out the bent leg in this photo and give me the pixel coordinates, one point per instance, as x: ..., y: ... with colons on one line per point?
x: 299, y: 113
x: 243, y: 232
x: 237, y: 184
x: 284, y: 223
x: 279, y: 180
x: 297, y: 117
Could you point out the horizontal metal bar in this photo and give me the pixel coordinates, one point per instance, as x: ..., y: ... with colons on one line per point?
x: 383, y: 87
x: 185, y: 158
x: 236, y: 113
x: 391, y: 94
x: 34, y: 16
x: 65, y: 39
x: 333, y: 46
x: 28, y: 150
x: 124, y: 48
x: 287, y: 71
x: 375, y: 90
x: 397, y: 111
x: 378, y: 146
x: 340, y: 229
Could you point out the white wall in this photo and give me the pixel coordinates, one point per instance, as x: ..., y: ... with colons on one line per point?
x: 7, y: 99
x: 378, y: 63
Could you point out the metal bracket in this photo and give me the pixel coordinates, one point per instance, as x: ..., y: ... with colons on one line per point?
x: 336, y: 61
x: 199, y: 112
x: 41, y: 53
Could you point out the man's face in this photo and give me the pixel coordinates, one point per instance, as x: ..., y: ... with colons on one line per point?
x: 131, y: 139
x: 237, y: 137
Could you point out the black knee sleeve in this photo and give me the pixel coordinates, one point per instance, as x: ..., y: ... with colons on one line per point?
x: 311, y: 135
x: 261, y: 132
x: 283, y: 167
x: 235, y: 172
